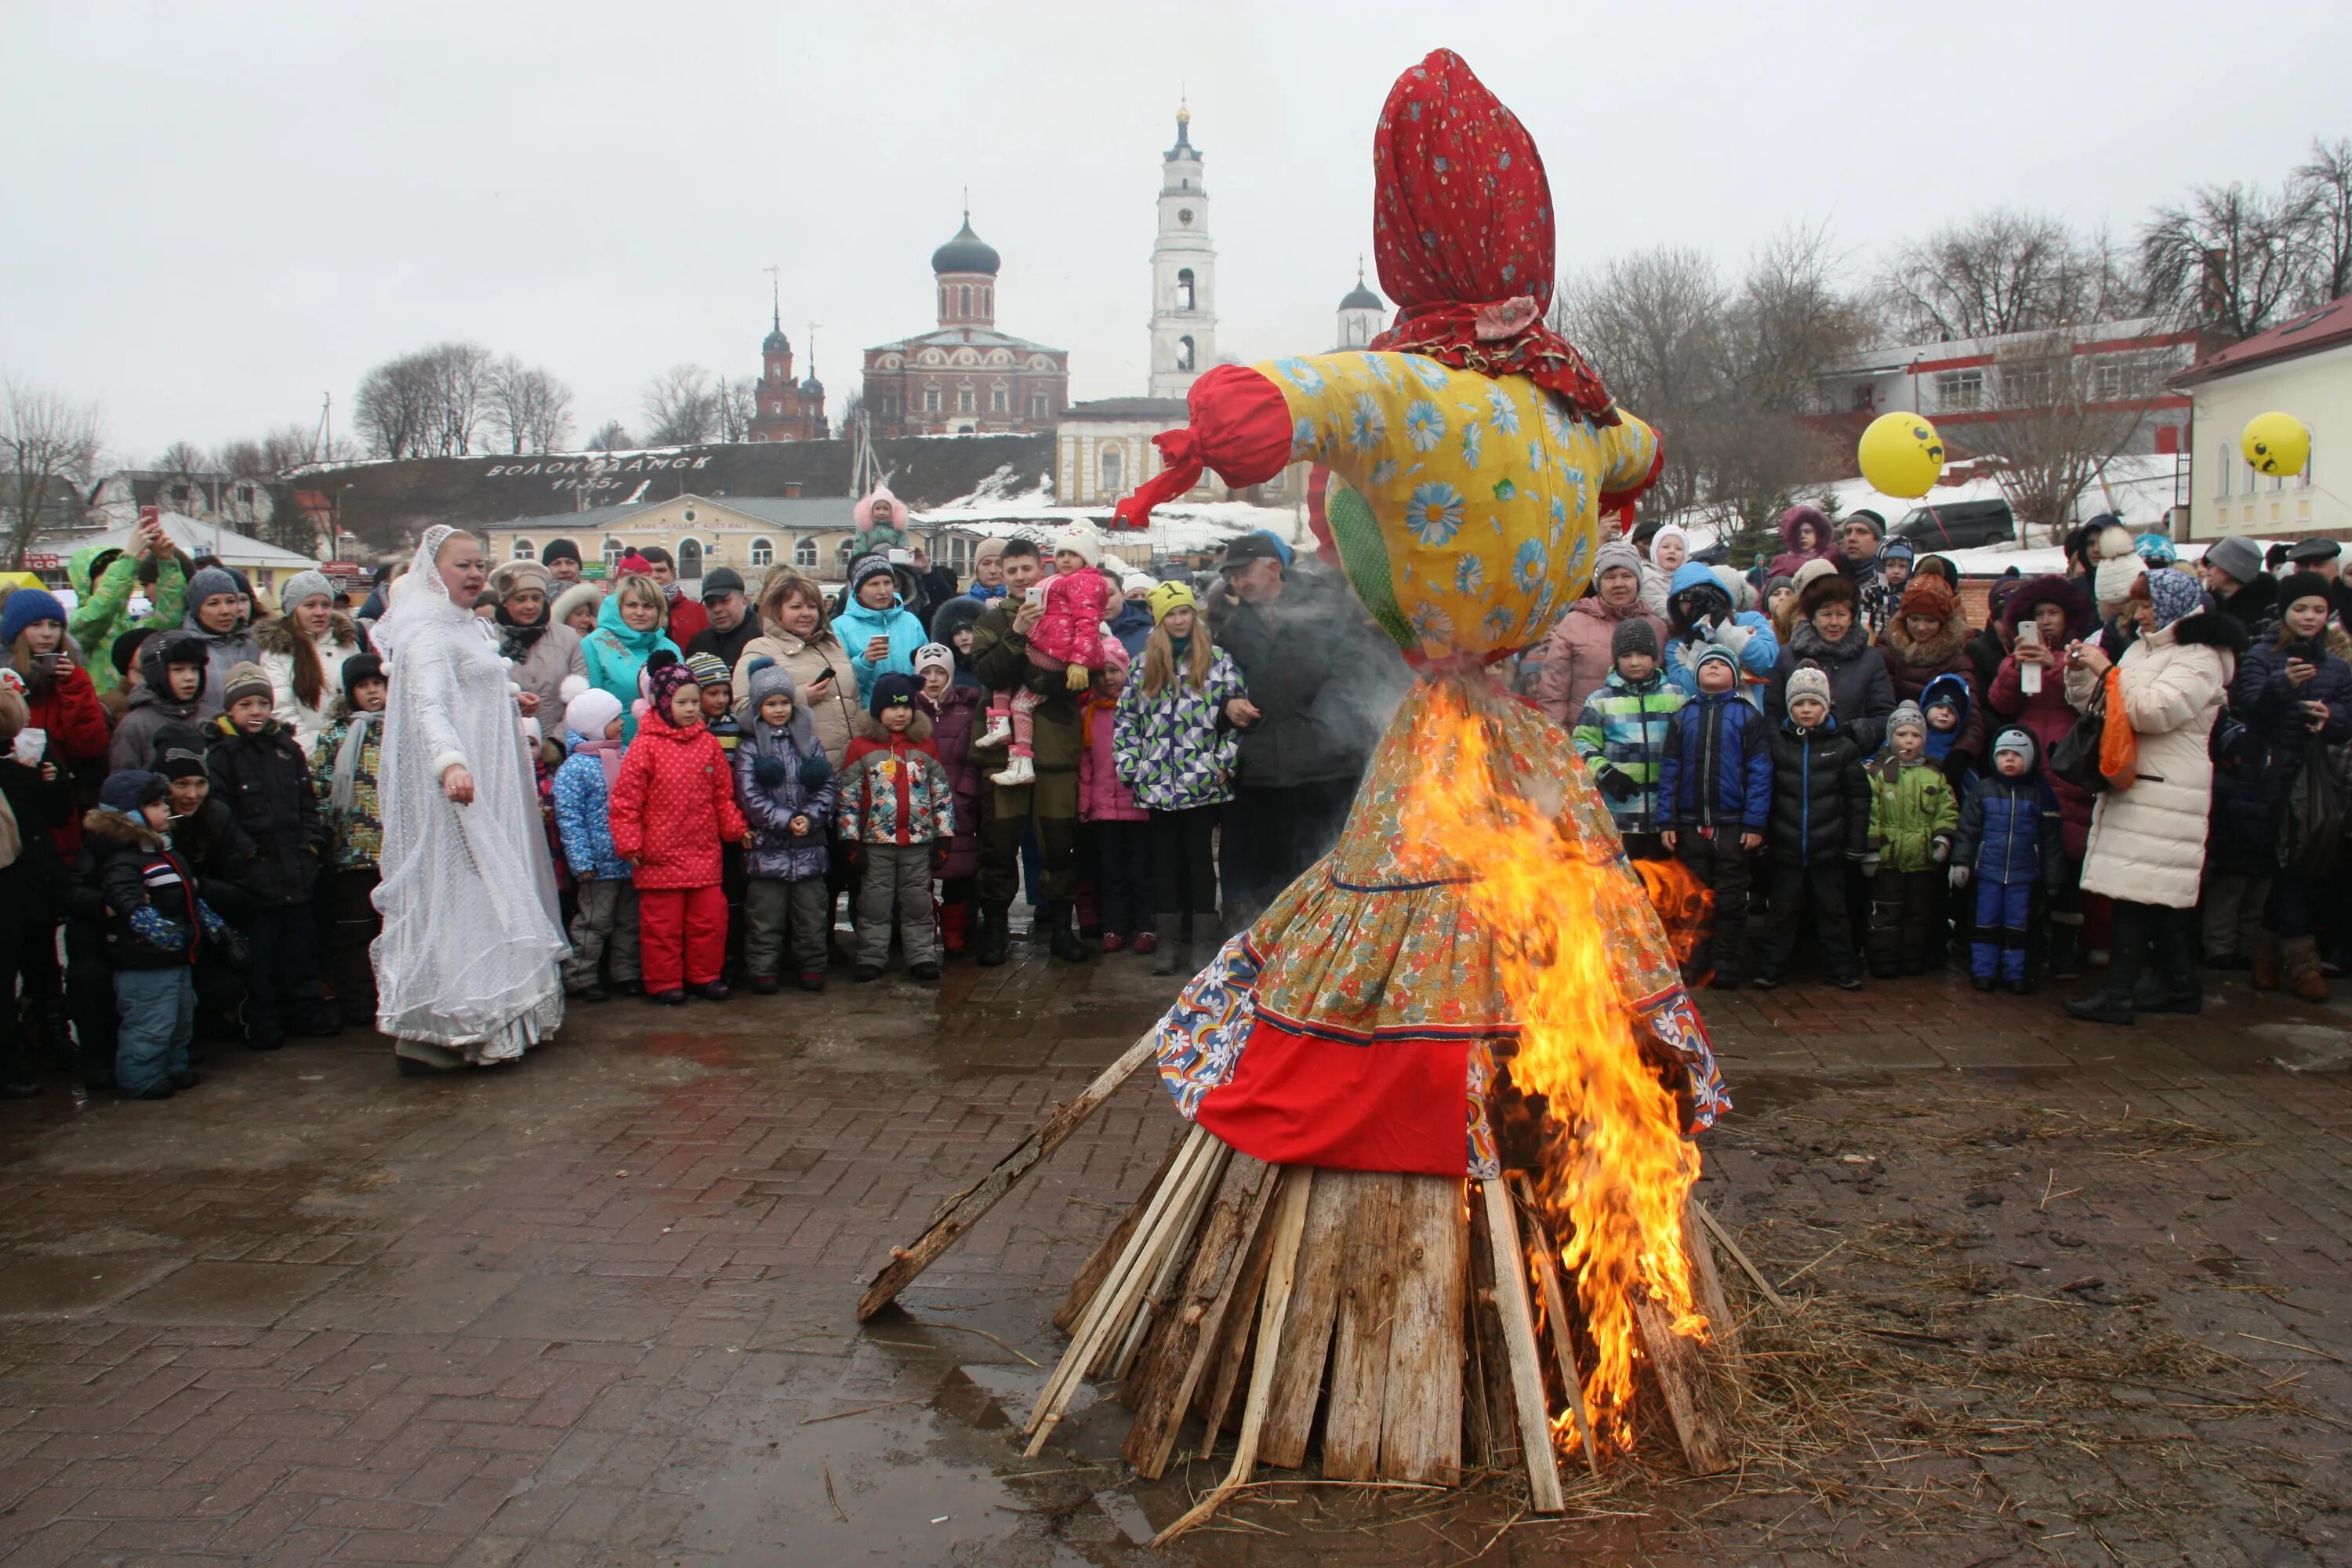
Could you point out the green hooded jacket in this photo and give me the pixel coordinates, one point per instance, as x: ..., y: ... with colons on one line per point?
x: 102, y: 613
x: 1911, y: 809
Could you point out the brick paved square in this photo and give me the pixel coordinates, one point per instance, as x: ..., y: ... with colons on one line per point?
x: 2067, y: 1295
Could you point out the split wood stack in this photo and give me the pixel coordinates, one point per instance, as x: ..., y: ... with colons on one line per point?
x: 1391, y: 1315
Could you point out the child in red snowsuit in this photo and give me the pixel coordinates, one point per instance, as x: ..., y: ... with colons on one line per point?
x: 672, y: 804
x: 1066, y: 641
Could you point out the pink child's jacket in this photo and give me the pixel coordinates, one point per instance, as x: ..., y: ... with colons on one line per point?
x: 1070, y: 631
x: 1102, y: 797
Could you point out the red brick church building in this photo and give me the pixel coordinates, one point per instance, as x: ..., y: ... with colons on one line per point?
x: 964, y: 375
x: 783, y: 409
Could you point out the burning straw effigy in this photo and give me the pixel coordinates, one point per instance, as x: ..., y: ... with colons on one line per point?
x: 1433, y: 1211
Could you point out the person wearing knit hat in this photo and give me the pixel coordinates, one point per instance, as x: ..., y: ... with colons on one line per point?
x: 1913, y: 816
x: 28, y: 607
x: 259, y: 771
x: 603, y: 928
x: 561, y: 559
x: 178, y: 753
x: 576, y: 607
x: 2230, y: 567
x: 346, y: 766
x: 896, y: 812
x: 1078, y: 538
x: 1577, y: 656
x: 709, y: 669
x: 302, y: 646
x: 59, y: 699
x: 1131, y: 617
x: 1621, y: 734
x: 880, y: 635
x: 934, y: 655
x: 152, y: 919
x: 1169, y: 596
x: 1819, y: 825
x: 716, y: 677
x: 2119, y: 566
x: 2009, y: 846
x: 215, y: 613
x: 2147, y: 848
x: 1714, y: 801
x: 672, y: 810
x: 1831, y: 636
x: 1667, y: 550
x: 785, y: 787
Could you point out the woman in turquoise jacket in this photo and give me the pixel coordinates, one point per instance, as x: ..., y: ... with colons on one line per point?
x: 628, y: 632
x: 875, y: 610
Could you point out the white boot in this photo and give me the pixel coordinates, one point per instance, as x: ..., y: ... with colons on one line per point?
x: 1017, y: 772
x: 999, y: 731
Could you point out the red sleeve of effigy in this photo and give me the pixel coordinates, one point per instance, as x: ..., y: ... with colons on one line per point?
x: 1240, y: 427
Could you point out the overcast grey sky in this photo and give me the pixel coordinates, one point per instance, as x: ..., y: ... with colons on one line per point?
x: 209, y: 215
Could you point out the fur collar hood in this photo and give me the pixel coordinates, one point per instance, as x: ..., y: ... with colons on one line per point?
x: 1942, y: 649
x: 2204, y: 628
x: 277, y: 633
x: 1806, y: 642
x: 114, y: 827
x: 869, y: 727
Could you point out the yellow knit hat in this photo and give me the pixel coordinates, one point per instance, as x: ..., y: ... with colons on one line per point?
x: 1170, y: 596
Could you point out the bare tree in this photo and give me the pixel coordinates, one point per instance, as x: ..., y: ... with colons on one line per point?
x: 610, y: 437
x: 290, y: 447
x: 681, y: 406
x: 50, y: 445
x: 2002, y: 272
x: 461, y: 374
x: 527, y: 409
x: 2057, y: 429
x: 1653, y: 324
x: 183, y: 457
x: 2229, y: 259
x: 2325, y: 183
x: 241, y: 460
x: 395, y: 411
x: 734, y: 406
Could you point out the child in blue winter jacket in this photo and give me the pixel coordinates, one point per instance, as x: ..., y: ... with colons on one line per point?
x: 606, y: 920
x: 2008, y: 846
x: 1701, y: 613
x: 1714, y: 801
x: 785, y: 787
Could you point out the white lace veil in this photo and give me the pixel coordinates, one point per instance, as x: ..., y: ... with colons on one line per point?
x: 419, y: 598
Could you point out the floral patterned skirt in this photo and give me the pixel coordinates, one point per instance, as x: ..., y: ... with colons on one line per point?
x: 1357, y: 1023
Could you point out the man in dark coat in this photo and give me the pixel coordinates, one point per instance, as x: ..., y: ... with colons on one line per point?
x: 1322, y: 683
x: 1000, y: 657
x: 2233, y: 573
x: 732, y: 624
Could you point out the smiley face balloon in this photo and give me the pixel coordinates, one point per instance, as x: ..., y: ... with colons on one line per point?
x: 2277, y: 444
x: 1901, y: 456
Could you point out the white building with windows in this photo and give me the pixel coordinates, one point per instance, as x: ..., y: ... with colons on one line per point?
x: 1103, y: 450
x: 750, y: 533
x: 2302, y: 366
x: 1362, y: 315
x: 1968, y: 386
x: 1183, y: 272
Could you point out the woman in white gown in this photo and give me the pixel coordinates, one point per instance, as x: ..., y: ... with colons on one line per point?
x: 468, y: 967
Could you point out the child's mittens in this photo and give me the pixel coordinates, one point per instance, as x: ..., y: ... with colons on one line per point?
x: 1615, y: 782
x: 1941, y: 850
x: 1959, y: 876
x: 768, y: 772
x: 1077, y: 677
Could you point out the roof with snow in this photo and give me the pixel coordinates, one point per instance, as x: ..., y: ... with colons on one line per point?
x: 2327, y: 327
x: 233, y: 548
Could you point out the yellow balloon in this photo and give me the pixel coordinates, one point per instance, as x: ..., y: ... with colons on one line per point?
x: 1901, y: 455
x: 2276, y: 443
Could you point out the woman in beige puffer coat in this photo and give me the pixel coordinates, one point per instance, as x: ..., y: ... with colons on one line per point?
x: 2147, y: 848
x: 794, y: 634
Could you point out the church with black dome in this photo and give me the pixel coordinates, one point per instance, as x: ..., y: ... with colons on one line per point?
x: 964, y: 375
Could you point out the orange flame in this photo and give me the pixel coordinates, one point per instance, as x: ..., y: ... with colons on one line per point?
x: 1685, y: 908
x: 1615, y: 1170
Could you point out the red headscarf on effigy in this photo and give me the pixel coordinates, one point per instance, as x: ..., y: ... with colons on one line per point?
x: 1462, y: 225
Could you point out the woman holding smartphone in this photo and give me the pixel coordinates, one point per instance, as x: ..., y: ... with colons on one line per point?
x: 794, y: 634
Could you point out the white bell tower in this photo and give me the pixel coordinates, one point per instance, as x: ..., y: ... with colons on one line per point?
x: 1183, y: 272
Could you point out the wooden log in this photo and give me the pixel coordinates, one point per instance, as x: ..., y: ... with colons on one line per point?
x: 1165, y: 1278
x: 1421, y: 1424
x: 1359, y: 1343
x: 1544, y: 1494
x: 1681, y: 1373
x: 1490, y: 1359
x: 1191, y: 1332
x: 1306, y: 1330
x: 1097, y: 1264
x: 1290, y: 1222
x: 1224, y: 1359
x: 1707, y: 1292
x: 959, y: 1213
x: 1200, y: 1161
x: 1746, y: 1266
x: 1560, y: 1316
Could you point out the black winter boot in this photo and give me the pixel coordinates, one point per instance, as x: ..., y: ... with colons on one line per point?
x: 1062, y: 938
x: 2177, y: 943
x: 995, y: 942
x: 2128, y: 949
x: 2066, y: 948
x: 1169, y: 927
